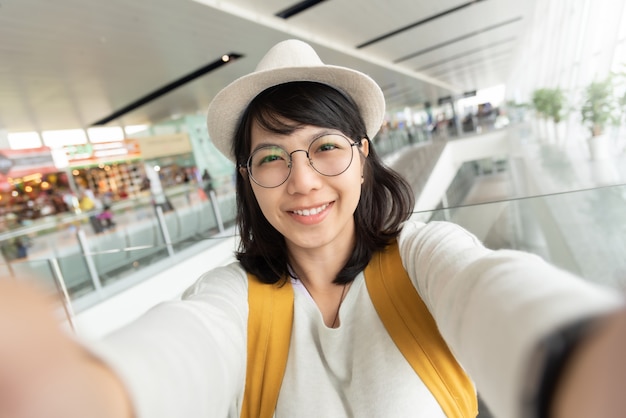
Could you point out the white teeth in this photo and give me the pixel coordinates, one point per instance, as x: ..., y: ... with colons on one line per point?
x: 309, y: 212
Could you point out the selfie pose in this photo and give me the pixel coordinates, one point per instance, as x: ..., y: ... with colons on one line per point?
x: 339, y: 305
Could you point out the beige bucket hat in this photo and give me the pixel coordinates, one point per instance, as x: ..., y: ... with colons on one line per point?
x: 291, y: 60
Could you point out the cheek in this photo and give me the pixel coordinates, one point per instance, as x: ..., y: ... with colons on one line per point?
x: 352, y: 185
x: 265, y: 200
x: 359, y: 172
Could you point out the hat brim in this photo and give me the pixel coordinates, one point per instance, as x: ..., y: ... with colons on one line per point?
x: 228, y: 106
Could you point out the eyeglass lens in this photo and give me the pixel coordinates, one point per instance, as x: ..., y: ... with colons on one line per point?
x: 329, y: 155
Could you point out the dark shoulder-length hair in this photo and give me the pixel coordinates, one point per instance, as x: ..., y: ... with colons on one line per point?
x: 386, y: 198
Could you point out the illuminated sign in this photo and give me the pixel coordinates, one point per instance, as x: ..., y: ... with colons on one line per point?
x: 103, y: 152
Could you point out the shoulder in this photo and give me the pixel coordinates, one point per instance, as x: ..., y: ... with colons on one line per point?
x: 442, y: 238
x: 451, y: 247
x: 230, y: 279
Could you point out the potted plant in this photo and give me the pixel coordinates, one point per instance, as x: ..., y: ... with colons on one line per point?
x: 619, y: 91
x: 540, y: 104
x: 555, y: 108
x: 549, y: 104
x: 539, y: 101
x: 599, y: 109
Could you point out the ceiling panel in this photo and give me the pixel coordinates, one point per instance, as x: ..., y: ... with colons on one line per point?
x: 76, y: 61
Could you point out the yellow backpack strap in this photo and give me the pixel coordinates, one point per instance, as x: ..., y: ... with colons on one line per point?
x: 415, y: 333
x: 270, y: 317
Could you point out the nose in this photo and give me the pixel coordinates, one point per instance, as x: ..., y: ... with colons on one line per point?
x: 303, y: 178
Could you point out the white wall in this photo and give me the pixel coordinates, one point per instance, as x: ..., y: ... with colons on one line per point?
x: 456, y: 152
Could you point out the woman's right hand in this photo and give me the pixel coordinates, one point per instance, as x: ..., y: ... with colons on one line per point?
x: 44, y: 373
x: 593, y: 381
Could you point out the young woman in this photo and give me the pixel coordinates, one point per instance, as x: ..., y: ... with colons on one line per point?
x: 317, y: 209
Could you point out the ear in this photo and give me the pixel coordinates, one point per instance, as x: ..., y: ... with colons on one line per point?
x: 243, y: 171
x: 365, y: 147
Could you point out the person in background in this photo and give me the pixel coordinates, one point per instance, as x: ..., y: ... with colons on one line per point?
x: 108, y: 197
x: 207, y: 182
x: 15, y: 248
x: 72, y: 202
x: 91, y: 205
x: 145, y: 184
x: 106, y: 218
x: 316, y: 206
x: 22, y: 247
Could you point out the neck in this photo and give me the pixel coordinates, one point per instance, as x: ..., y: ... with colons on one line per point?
x: 319, y: 267
x: 325, y: 299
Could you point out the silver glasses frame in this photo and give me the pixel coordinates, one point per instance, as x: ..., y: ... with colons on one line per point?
x: 306, y: 151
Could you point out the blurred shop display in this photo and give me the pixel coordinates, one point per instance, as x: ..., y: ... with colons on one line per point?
x: 31, y: 184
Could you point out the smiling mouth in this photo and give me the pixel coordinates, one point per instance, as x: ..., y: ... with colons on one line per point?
x: 312, y: 211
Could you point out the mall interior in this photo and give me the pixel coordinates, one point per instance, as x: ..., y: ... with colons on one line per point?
x: 506, y: 117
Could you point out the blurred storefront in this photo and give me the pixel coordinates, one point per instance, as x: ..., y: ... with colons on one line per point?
x: 45, y: 181
x: 114, y: 168
x: 31, y: 184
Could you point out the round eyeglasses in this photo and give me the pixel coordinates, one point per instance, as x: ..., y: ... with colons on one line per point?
x: 330, y: 155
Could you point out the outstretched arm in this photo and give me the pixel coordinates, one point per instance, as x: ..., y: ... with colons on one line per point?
x: 43, y: 372
x: 495, y: 308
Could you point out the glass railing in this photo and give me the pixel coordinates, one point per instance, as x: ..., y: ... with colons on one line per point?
x: 581, y: 231
x: 388, y: 142
x: 566, y: 229
x: 67, y: 253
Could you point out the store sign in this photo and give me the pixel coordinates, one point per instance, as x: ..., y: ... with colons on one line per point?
x: 5, y: 164
x: 102, y: 152
x: 19, y: 163
x: 78, y: 152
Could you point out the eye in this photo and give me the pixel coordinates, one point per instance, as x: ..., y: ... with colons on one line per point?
x: 270, y: 158
x: 268, y: 155
x: 327, y: 146
x: 328, y: 143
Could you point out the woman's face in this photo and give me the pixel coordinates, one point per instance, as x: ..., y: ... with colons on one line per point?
x: 309, y: 209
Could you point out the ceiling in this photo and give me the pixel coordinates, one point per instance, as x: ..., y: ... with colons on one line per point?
x: 71, y: 63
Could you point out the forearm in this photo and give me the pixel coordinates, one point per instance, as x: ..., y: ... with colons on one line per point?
x: 177, y: 361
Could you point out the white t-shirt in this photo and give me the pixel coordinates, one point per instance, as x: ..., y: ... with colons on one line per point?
x: 188, y: 359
